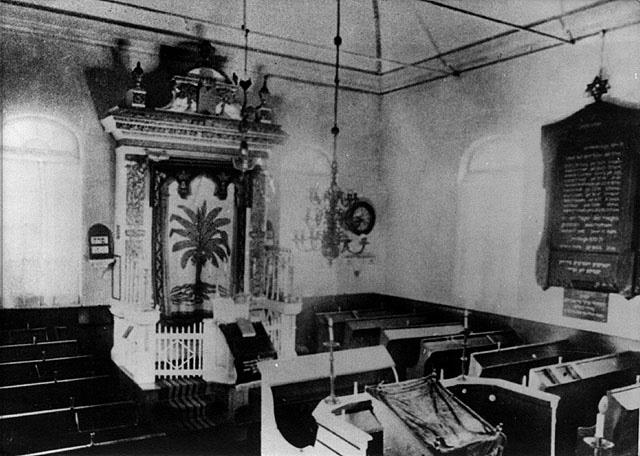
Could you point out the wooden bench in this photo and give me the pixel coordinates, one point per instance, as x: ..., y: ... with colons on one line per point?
x: 442, y: 354
x: 514, y: 363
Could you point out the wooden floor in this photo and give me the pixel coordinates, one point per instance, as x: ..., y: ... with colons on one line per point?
x: 220, y: 441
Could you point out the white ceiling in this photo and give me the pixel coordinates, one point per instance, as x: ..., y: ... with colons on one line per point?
x: 387, y: 44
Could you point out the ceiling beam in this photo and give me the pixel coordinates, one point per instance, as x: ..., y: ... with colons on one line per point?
x: 499, y: 21
x: 378, y: 58
x: 507, y: 33
x: 511, y: 57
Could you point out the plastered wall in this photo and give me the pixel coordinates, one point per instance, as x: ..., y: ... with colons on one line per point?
x: 304, y: 162
x: 75, y: 81
x: 427, y: 131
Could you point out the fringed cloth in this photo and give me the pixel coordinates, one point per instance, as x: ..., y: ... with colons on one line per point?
x: 439, y: 419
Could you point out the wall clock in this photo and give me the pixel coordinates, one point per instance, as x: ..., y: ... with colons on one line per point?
x: 360, y: 218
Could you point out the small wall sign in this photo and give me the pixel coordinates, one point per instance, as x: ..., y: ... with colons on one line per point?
x: 100, y: 242
x: 586, y: 305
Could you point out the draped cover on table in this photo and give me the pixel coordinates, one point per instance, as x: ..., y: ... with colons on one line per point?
x: 438, y: 419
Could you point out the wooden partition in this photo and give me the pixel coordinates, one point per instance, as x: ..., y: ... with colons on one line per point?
x: 514, y: 363
x: 622, y: 419
x: 442, y: 355
x: 580, y: 386
x: 403, y: 344
x: 340, y: 318
x: 528, y: 417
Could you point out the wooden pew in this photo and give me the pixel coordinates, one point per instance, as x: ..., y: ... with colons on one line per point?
x: 367, y: 331
x: 403, y: 344
x: 514, y: 363
x: 527, y: 416
x: 621, y: 423
x: 442, y: 354
x: 580, y: 386
x: 340, y: 319
x: 622, y: 419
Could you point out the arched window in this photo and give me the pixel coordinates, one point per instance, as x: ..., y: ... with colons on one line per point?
x: 488, y: 226
x: 41, y: 214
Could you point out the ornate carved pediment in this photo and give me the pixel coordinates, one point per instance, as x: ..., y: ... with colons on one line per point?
x: 178, y: 134
x: 203, y: 120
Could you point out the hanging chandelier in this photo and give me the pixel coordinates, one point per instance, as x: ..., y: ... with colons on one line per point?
x: 335, y: 239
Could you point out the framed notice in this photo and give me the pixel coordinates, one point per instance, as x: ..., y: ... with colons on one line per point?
x: 592, y: 165
x: 586, y: 305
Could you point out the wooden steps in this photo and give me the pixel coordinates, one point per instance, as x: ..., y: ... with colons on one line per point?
x: 185, y: 402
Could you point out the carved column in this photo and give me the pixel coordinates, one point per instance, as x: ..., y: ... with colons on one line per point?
x: 257, y: 233
x: 133, y: 232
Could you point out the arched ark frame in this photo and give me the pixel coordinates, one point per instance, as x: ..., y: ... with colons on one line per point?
x: 183, y: 173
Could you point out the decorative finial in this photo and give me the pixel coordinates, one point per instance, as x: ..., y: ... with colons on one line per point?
x: 598, y: 87
x: 206, y: 53
x: 137, y: 74
x: 136, y: 96
x: 264, y: 90
x: 263, y: 113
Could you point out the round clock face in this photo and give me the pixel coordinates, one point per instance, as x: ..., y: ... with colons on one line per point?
x: 360, y: 218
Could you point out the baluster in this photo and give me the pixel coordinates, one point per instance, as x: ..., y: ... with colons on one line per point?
x: 201, y: 346
x: 157, y: 347
x: 265, y: 277
x: 273, y: 273
x: 189, y: 348
x: 290, y: 292
x: 276, y: 259
x: 181, y: 330
x: 145, y: 292
x: 176, y: 348
x: 181, y: 345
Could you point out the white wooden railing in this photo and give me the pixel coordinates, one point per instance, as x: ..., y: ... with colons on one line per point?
x: 179, y: 350
x: 276, y: 306
x: 277, y: 275
x: 279, y: 320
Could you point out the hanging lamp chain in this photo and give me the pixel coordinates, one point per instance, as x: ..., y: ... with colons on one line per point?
x: 603, y: 33
x: 244, y: 163
x: 245, y: 29
x: 335, y: 130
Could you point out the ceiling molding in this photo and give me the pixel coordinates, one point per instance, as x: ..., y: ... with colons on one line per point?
x: 145, y: 42
x: 104, y: 23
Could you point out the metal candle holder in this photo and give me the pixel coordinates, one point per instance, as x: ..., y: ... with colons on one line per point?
x: 332, y: 399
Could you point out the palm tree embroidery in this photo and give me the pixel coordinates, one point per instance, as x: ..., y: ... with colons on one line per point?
x: 204, y: 241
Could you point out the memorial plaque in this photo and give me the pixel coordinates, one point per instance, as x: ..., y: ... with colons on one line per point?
x: 591, y: 173
x: 586, y: 305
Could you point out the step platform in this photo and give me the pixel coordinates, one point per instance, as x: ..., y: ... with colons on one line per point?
x: 187, y: 404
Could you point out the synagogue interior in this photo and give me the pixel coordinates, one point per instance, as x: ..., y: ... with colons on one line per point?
x: 402, y: 227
